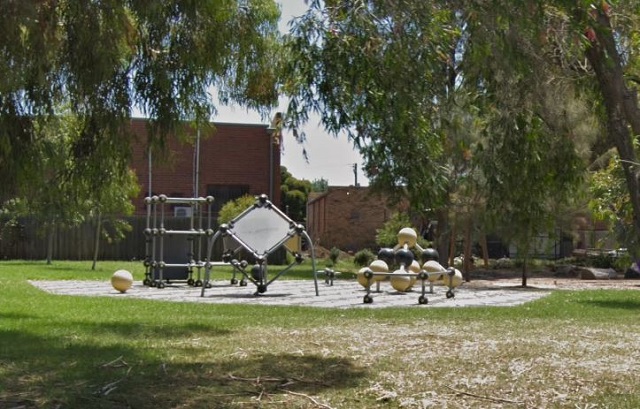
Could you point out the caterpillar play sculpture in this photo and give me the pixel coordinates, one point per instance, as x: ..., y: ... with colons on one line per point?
x: 409, y: 271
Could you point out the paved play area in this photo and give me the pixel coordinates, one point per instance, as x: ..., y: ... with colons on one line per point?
x: 343, y: 294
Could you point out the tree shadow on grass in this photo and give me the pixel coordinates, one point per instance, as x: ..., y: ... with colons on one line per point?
x: 56, y: 371
x: 630, y: 305
x: 257, y: 380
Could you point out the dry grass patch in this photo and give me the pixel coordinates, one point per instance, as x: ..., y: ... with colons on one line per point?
x: 433, y: 363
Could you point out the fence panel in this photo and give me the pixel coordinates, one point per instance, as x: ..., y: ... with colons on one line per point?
x: 27, y: 240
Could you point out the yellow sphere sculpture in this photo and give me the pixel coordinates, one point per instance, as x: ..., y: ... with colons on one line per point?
x: 379, y: 266
x: 407, y: 236
x: 362, y: 280
x: 433, y: 266
x: 122, y: 280
x: 452, y: 281
x: 399, y: 281
x: 414, y: 268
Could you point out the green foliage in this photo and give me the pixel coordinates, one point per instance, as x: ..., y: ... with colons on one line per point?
x: 66, y: 191
x: 435, y: 98
x: 233, y: 208
x: 377, y: 74
x: 610, y: 202
x: 363, y: 258
x: 334, y: 254
x: 602, y: 261
x: 295, y: 193
x: 319, y: 185
x: 447, y: 100
x: 104, y: 59
x: 387, y: 236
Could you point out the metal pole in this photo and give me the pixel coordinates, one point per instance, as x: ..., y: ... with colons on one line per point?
x: 149, y: 171
x: 271, y: 164
x: 355, y: 173
x: 196, y: 172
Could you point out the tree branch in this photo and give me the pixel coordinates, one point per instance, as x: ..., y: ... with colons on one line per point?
x: 489, y: 398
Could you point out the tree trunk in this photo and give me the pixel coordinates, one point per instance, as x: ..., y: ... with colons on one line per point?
x: 468, y: 258
x: 452, y: 245
x: 621, y: 105
x: 50, y: 231
x: 524, y: 272
x: 442, y: 234
x: 96, y: 244
x: 485, y: 250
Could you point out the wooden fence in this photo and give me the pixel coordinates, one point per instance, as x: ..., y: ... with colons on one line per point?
x: 26, y: 240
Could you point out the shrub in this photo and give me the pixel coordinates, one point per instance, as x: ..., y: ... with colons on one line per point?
x: 623, y: 262
x: 601, y: 261
x: 387, y: 236
x: 334, y: 253
x: 234, y: 208
x: 363, y: 258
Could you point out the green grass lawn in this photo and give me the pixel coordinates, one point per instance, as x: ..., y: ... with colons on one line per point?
x: 578, y: 349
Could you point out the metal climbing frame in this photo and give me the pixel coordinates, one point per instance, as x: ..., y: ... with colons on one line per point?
x: 156, y: 265
x: 261, y: 229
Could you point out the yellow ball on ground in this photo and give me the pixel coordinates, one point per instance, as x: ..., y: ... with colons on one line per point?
x: 379, y: 266
x: 399, y: 281
x: 122, y: 280
x: 431, y: 267
x: 452, y: 281
x: 407, y: 236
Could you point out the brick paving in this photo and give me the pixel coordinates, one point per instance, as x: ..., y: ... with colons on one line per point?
x: 343, y: 294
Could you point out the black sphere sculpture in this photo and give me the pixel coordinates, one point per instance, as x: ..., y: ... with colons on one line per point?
x: 430, y: 254
x: 404, y: 256
x: 386, y: 254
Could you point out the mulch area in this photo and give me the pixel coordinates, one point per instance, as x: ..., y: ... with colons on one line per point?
x: 482, y: 278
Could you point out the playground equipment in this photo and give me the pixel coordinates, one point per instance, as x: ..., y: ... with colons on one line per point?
x: 409, y: 272
x: 260, y: 230
x: 164, y: 263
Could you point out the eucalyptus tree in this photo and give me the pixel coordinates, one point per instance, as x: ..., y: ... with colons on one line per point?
x: 575, y: 63
x: 537, y: 127
x: 63, y: 192
x: 437, y: 97
x: 381, y: 73
x: 612, y: 50
x: 103, y: 59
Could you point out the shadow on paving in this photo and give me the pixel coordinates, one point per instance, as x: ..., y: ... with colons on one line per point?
x: 480, y: 286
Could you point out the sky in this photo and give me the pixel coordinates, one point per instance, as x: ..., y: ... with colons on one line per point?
x: 329, y: 158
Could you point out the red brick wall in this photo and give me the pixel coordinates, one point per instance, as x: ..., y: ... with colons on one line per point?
x: 230, y: 154
x: 346, y: 218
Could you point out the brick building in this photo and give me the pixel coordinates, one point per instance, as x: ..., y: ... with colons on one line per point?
x: 346, y: 218
x: 235, y: 159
